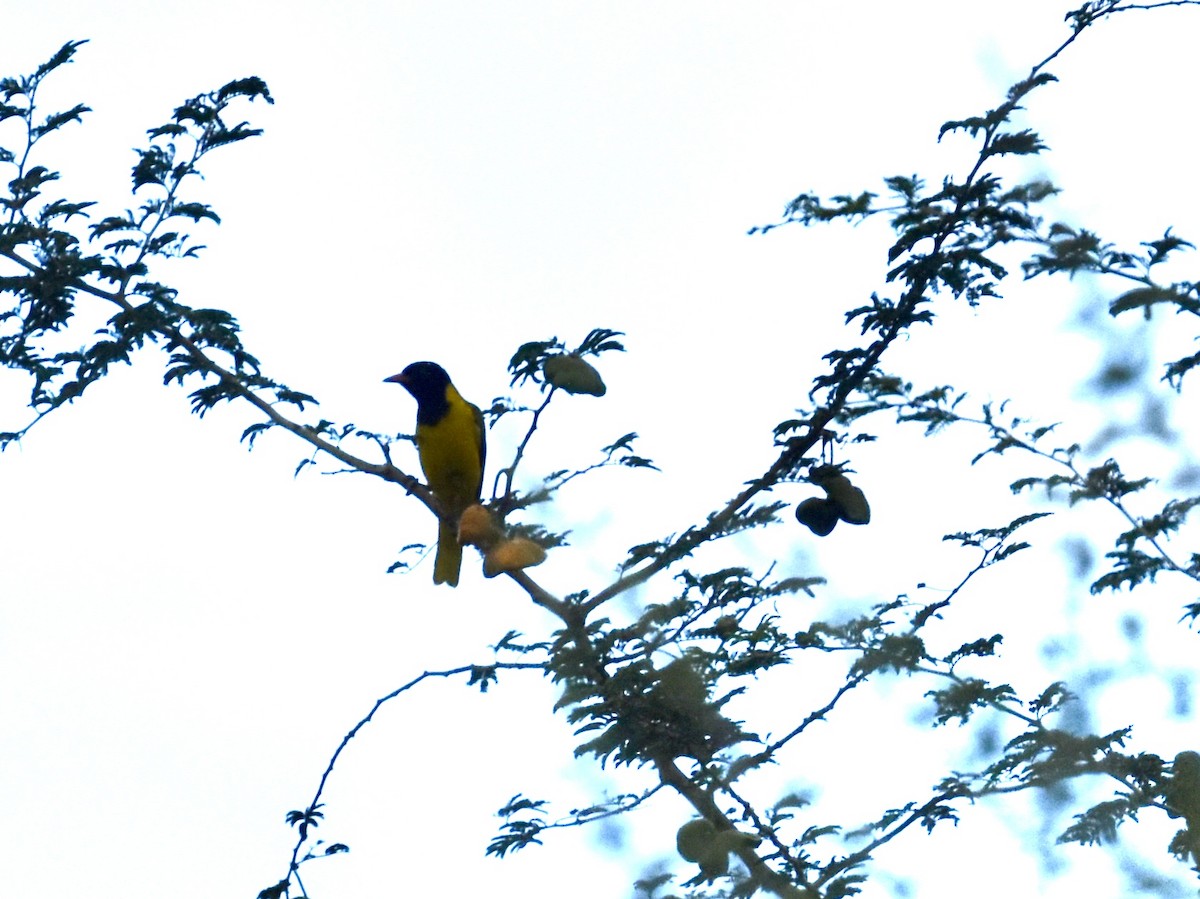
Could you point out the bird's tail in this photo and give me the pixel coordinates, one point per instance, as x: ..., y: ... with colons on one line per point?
x: 448, y: 561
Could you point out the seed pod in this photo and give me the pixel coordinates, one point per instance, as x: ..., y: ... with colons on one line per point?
x: 681, y: 687
x: 852, y: 504
x: 715, y: 864
x: 1183, y: 789
x: 732, y: 840
x: 512, y: 555
x: 850, y: 501
x: 572, y: 374
x: 818, y: 514
x: 477, y: 527
x: 695, y: 839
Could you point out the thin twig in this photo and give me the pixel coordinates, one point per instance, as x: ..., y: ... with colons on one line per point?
x: 366, y: 719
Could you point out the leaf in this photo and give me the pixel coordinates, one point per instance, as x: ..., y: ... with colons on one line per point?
x: 1017, y: 143
x: 195, y: 212
x: 1142, y: 298
x: 57, y: 120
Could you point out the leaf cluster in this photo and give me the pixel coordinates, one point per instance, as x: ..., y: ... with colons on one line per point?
x: 52, y: 267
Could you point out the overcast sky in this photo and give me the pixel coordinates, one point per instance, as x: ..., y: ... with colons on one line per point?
x: 186, y: 631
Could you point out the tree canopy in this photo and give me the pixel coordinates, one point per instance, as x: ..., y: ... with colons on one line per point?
x: 678, y: 673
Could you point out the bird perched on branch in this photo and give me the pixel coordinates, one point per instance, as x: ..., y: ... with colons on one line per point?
x: 451, y: 447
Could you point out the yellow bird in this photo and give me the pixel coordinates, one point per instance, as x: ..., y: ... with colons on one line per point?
x: 451, y: 447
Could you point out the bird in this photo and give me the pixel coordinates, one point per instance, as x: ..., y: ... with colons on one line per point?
x: 451, y: 446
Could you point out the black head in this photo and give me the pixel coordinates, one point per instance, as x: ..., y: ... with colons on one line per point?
x: 426, y: 381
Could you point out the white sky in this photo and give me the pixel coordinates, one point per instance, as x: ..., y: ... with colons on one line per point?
x: 187, y: 631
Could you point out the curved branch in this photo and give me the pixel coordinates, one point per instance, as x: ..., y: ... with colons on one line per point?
x: 364, y: 721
